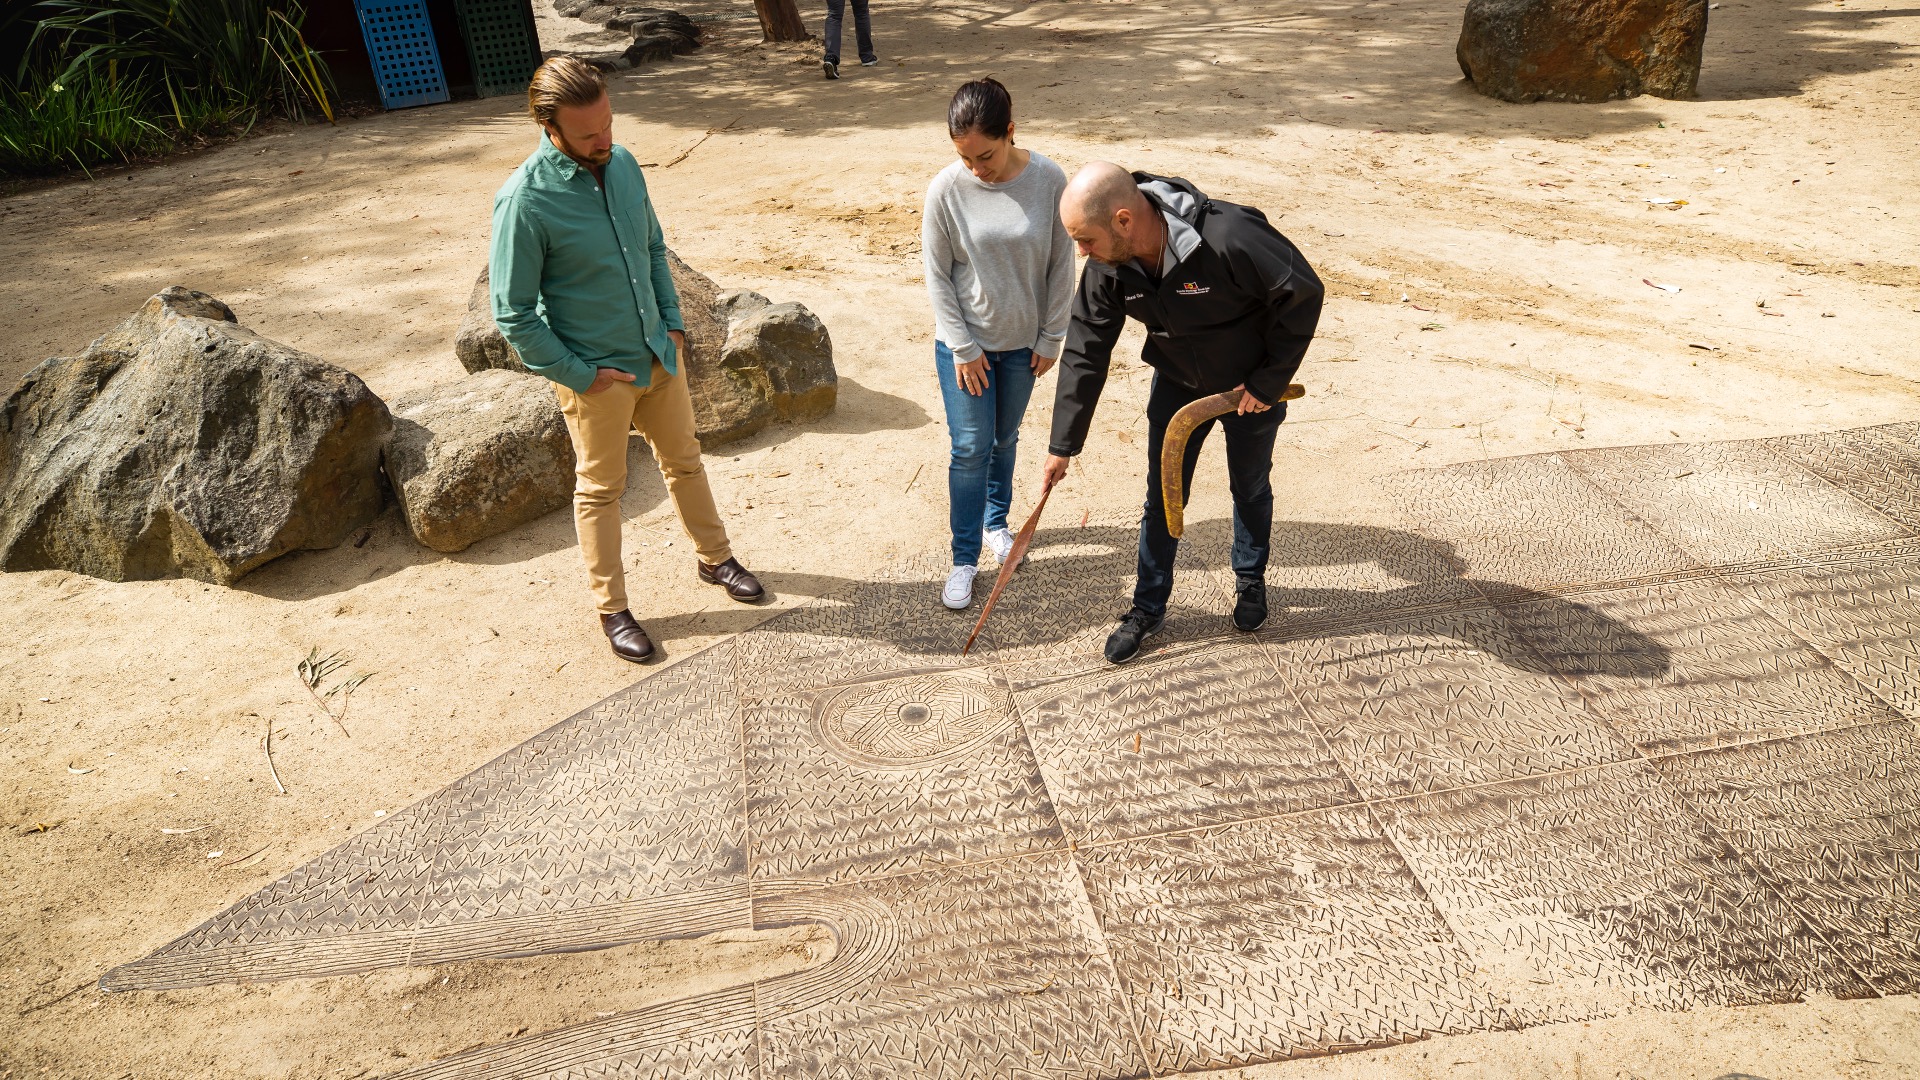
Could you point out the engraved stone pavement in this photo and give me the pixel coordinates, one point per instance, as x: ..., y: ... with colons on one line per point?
x: 1595, y: 731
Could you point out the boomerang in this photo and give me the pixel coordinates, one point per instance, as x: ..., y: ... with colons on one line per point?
x: 1173, y: 448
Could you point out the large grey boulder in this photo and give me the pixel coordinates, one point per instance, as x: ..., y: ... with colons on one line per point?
x: 474, y: 458
x: 777, y: 364
x: 754, y: 362
x: 1583, y: 50
x: 182, y: 443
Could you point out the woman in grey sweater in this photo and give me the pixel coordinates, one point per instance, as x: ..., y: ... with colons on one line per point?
x: 1000, y: 270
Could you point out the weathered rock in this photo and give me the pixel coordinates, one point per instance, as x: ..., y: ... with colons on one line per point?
x: 754, y: 362
x: 1583, y: 50
x: 735, y: 305
x: 474, y: 458
x: 658, y: 33
x: 790, y: 346
x: 181, y: 443
x: 478, y: 344
x: 700, y: 312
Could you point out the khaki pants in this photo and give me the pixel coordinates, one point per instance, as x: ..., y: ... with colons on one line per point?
x: 662, y: 411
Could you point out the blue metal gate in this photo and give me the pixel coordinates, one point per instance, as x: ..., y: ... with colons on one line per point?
x: 406, y: 61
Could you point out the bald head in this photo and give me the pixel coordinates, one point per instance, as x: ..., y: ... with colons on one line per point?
x: 1107, y: 216
x: 1098, y: 190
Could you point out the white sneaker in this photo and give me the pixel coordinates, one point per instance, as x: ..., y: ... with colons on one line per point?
x: 1000, y: 542
x: 959, y: 591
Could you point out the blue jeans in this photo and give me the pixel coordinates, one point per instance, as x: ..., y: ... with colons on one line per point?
x: 1249, y: 461
x: 986, y: 434
x: 862, y: 29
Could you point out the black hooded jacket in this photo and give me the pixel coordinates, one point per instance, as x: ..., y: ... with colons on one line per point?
x: 1240, y: 306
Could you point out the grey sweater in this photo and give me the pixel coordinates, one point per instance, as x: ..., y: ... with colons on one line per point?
x: 999, y: 263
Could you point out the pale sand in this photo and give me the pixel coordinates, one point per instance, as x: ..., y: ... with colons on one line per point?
x: 1526, y: 232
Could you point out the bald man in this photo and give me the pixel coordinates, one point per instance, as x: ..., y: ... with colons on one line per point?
x: 1228, y: 304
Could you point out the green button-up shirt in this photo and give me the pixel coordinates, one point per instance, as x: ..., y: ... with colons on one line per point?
x: 579, y: 275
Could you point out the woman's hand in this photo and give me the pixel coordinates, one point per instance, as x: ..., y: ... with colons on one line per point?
x: 1042, y: 364
x: 973, y: 376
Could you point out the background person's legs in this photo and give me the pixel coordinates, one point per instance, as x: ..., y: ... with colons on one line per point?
x: 1158, y: 548
x: 598, y: 424
x: 830, y: 34
x: 970, y: 426
x: 1010, y: 378
x: 664, y: 415
x: 862, y: 33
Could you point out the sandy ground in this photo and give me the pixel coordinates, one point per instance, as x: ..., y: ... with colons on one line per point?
x: 1485, y: 265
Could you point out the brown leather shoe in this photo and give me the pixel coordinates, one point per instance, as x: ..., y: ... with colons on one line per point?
x: 738, y: 580
x: 628, y: 640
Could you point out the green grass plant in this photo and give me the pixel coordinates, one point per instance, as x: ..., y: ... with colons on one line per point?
x: 113, y: 80
x: 87, y: 117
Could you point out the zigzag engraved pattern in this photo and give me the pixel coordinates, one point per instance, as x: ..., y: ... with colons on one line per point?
x: 1588, y: 892
x: 1219, y: 739
x: 1834, y: 820
x: 1613, y: 729
x: 1690, y: 665
x: 1281, y: 938
x: 1731, y: 502
x: 1442, y: 702
x: 1879, y: 466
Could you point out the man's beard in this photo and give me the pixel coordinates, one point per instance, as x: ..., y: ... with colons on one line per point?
x: 600, y: 158
x: 1119, y: 253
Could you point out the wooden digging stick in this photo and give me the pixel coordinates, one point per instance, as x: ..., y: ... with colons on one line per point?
x: 1173, y: 448
x: 1007, y: 567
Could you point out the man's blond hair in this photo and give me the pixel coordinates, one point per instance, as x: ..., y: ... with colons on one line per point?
x: 563, y: 82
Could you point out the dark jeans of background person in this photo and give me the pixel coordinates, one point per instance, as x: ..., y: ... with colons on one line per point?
x: 1249, y: 460
x: 986, y: 436
x: 862, y: 29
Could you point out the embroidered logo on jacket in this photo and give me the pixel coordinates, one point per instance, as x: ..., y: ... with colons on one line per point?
x: 1193, y: 289
x: 1134, y: 296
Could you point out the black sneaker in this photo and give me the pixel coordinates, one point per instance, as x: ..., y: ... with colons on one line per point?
x: 1250, y: 610
x: 864, y: 62
x: 1135, y: 626
x: 831, y: 67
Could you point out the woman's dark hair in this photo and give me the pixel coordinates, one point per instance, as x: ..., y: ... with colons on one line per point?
x: 982, y: 105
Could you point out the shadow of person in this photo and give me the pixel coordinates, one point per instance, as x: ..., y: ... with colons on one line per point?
x: 1339, y: 580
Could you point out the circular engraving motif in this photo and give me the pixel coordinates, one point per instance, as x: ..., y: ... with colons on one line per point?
x: 913, y: 720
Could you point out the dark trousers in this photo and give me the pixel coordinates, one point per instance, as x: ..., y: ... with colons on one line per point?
x: 862, y: 29
x: 1249, y: 461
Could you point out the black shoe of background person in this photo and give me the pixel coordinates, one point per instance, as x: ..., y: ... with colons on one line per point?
x: 628, y: 640
x: 1250, y: 610
x: 831, y: 67
x: 738, y: 580
x: 869, y: 61
x: 1135, y: 626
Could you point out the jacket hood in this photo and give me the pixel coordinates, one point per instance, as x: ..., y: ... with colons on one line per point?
x: 1184, y: 201
x: 1174, y: 193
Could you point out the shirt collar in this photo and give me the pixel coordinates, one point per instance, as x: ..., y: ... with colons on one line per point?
x: 568, y: 167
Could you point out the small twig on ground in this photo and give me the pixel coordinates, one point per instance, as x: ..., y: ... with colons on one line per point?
x: 916, y: 478
x: 711, y: 132
x: 230, y: 864
x: 54, y: 1001
x: 266, y: 747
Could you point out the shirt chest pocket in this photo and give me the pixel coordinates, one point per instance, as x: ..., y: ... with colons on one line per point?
x: 636, y: 230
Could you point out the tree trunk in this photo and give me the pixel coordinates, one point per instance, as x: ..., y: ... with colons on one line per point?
x: 779, y: 20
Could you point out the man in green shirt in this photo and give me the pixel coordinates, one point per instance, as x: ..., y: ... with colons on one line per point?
x: 581, y: 290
